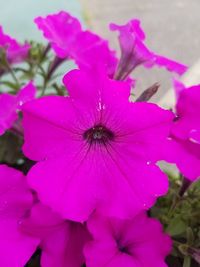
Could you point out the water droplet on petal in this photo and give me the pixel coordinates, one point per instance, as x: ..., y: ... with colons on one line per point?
x: 21, y: 103
x: 148, y: 162
x: 193, y: 140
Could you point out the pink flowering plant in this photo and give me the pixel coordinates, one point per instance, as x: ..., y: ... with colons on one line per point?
x: 81, y: 183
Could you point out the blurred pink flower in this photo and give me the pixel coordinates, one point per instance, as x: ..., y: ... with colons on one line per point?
x: 11, y: 104
x: 15, y: 52
x: 15, y: 201
x: 60, y: 30
x: 116, y: 243
x: 61, y: 241
x: 68, y: 40
x: 184, y: 139
x: 134, y: 52
x: 95, y: 148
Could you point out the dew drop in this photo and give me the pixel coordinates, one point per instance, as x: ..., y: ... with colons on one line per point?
x: 148, y: 162
x: 193, y: 140
x: 21, y: 103
x: 20, y: 161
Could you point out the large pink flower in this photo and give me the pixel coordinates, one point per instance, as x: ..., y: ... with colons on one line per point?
x: 11, y: 104
x: 68, y: 40
x: 131, y: 243
x: 184, y: 139
x: 134, y: 51
x: 96, y: 149
x: 15, y: 52
x: 62, y: 241
x: 15, y: 201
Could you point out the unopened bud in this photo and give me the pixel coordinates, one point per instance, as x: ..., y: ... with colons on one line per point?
x: 148, y: 93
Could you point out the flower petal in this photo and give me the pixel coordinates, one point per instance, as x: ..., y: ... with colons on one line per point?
x: 60, y: 30
x: 61, y: 241
x: 53, y: 125
x: 15, y: 201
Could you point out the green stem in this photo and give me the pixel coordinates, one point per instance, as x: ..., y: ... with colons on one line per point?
x: 12, y: 75
x: 187, y: 261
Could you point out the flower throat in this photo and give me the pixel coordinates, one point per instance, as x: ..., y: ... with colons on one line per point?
x: 98, y: 134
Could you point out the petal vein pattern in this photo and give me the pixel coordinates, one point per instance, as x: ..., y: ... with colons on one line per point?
x: 96, y: 149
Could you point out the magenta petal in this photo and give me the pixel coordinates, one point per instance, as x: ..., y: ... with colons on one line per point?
x: 68, y: 40
x: 15, y: 201
x: 145, y: 126
x: 140, y: 184
x: 26, y: 94
x: 8, y: 115
x: 187, y: 109
x: 90, y: 50
x: 61, y: 241
x: 60, y: 30
x: 137, y: 242
x: 18, y: 53
x: 15, y: 52
x: 134, y: 52
x: 194, y: 136
x: 185, y: 155
x: 184, y: 138
x: 178, y: 87
x: 10, y: 104
x: 170, y: 65
x: 73, y: 198
x: 96, y: 147
x: 185, y: 132
x: 73, y: 183
x: 99, y: 89
x: 56, y: 119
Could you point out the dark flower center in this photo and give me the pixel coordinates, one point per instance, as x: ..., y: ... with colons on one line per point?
x: 98, y: 134
x: 123, y: 248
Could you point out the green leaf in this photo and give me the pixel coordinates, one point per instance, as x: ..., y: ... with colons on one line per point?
x: 10, y: 85
x: 176, y: 227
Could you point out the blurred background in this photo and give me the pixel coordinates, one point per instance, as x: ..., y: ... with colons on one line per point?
x: 172, y: 27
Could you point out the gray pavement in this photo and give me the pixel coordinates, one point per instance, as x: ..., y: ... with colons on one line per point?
x: 172, y: 29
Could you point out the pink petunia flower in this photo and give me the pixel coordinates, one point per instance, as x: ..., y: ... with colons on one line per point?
x: 96, y: 149
x: 10, y: 104
x: 62, y: 241
x: 131, y: 243
x: 68, y: 40
x: 15, y: 52
x: 134, y: 52
x: 15, y: 201
x: 184, y: 138
x: 60, y: 30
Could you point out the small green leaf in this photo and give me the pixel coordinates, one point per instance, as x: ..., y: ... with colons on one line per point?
x: 10, y: 85
x: 176, y: 227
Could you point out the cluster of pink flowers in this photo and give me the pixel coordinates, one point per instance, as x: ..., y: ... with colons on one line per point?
x: 95, y: 153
